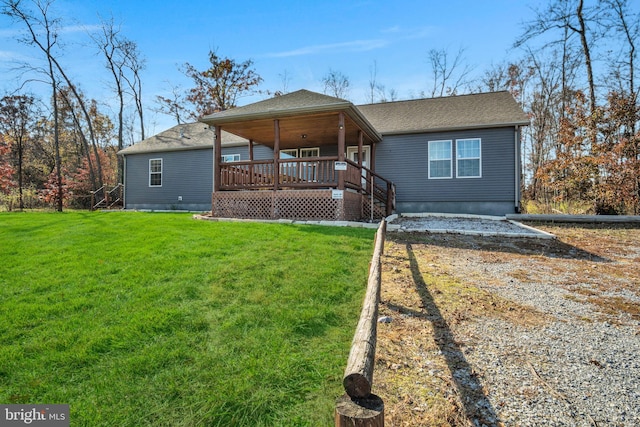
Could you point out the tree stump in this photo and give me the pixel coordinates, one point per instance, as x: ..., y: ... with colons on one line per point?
x: 361, y: 412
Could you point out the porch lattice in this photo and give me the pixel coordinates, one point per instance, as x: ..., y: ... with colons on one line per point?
x: 310, y: 205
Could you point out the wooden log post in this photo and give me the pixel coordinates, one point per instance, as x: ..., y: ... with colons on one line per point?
x: 359, y: 406
x: 367, y: 412
x: 276, y: 154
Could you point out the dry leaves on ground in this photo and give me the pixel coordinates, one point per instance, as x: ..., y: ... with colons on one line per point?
x: 433, y: 284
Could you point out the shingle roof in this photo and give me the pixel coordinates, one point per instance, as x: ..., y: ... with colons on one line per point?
x: 298, y: 102
x: 401, y: 117
x: 182, y: 137
x: 490, y: 109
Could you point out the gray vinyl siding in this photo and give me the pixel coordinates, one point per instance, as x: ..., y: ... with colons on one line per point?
x: 404, y: 159
x: 260, y: 152
x: 186, y: 173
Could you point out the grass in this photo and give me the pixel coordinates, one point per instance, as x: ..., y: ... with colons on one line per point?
x: 157, y: 319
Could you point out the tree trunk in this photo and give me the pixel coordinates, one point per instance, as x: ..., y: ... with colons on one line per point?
x: 582, y: 31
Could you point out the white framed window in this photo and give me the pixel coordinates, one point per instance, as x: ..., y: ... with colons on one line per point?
x: 289, y: 153
x: 440, y: 159
x: 227, y: 158
x: 155, y: 172
x: 310, y: 152
x: 469, y: 158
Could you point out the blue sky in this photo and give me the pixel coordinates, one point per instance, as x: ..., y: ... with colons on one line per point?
x: 302, y: 39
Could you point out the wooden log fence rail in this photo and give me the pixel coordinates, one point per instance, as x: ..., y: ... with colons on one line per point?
x: 358, y: 406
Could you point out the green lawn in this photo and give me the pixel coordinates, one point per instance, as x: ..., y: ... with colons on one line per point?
x: 157, y: 319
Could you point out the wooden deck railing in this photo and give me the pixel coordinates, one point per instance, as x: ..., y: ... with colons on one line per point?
x: 107, y: 199
x: 307, y: 172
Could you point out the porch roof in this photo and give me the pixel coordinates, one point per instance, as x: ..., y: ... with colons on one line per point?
x: 305, y: 118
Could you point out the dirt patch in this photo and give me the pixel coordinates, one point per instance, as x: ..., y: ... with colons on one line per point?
x: 435, y: 286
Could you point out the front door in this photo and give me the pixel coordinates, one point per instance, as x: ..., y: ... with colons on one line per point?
x: 352, y: 154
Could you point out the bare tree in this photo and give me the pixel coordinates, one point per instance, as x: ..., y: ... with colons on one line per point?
x: 285, y: 79
x: 449, y: 74
x: 135, y: 63
x: 42, y: 33
x: 107, y: 41
x: 374, y: 86
x: 626, y: 24
x: 122, y: 59
x: 494, y: 79
x: 336, y: 84
x: 570, y: 17
x: 377, y: 92
x: 174, y: 106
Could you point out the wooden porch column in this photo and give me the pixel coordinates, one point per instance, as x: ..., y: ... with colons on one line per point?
x: 276, y: 153
x: 251, y: 160
x: 341, y: 148
x: 367, y: 183
x: 217, y: 154
x: 360, y: 147
x: 360, y: 144
x: 372, y: 164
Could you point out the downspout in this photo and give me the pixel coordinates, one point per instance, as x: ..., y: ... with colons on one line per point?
x: 517, y: 169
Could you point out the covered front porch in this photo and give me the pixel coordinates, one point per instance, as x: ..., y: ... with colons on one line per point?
x: 323, y: 164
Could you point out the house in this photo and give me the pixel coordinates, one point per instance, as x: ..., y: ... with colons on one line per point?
x: 306, y: 155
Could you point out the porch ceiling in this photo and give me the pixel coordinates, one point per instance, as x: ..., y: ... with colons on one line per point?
x: 318, y: 129
x: 299, y: 113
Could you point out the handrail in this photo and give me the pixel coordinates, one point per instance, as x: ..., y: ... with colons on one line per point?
x: 307, y: 172
x: 380, y: 188
x: 108, y: 200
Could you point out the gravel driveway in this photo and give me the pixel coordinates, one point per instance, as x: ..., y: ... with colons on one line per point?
x: 512, y: 331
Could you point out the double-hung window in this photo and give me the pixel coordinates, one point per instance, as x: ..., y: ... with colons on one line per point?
x: 310, y: 152
x: 227, y: 158
x: 440, y: 159
x: 155, y: 172
x: 468, y: 158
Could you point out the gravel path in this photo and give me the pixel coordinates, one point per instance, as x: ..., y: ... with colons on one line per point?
x: 580, y: 366
x: 567, y: 373
x: 485, y: 226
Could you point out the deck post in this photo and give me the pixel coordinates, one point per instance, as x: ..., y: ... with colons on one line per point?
x: 360, y: 147
x: 251, y: 160
x: 276, y: 154
x: 341, y: 148
x: 372, y: 160
x: 217, y: 155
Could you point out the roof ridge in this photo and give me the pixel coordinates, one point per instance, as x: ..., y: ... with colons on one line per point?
x: 434, y: 98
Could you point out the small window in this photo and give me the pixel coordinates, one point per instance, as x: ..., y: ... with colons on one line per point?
x: 439, y: 159
x: 227, y: 158
x: 289, y: 153
x: 468, y: 158
x: 310, y: 152
x: 155, y: 173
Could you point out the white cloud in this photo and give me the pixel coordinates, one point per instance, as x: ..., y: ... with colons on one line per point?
x: 352, y: 46
x: 11, y: 56
x: 409, y: 33
x: 79, y: 28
